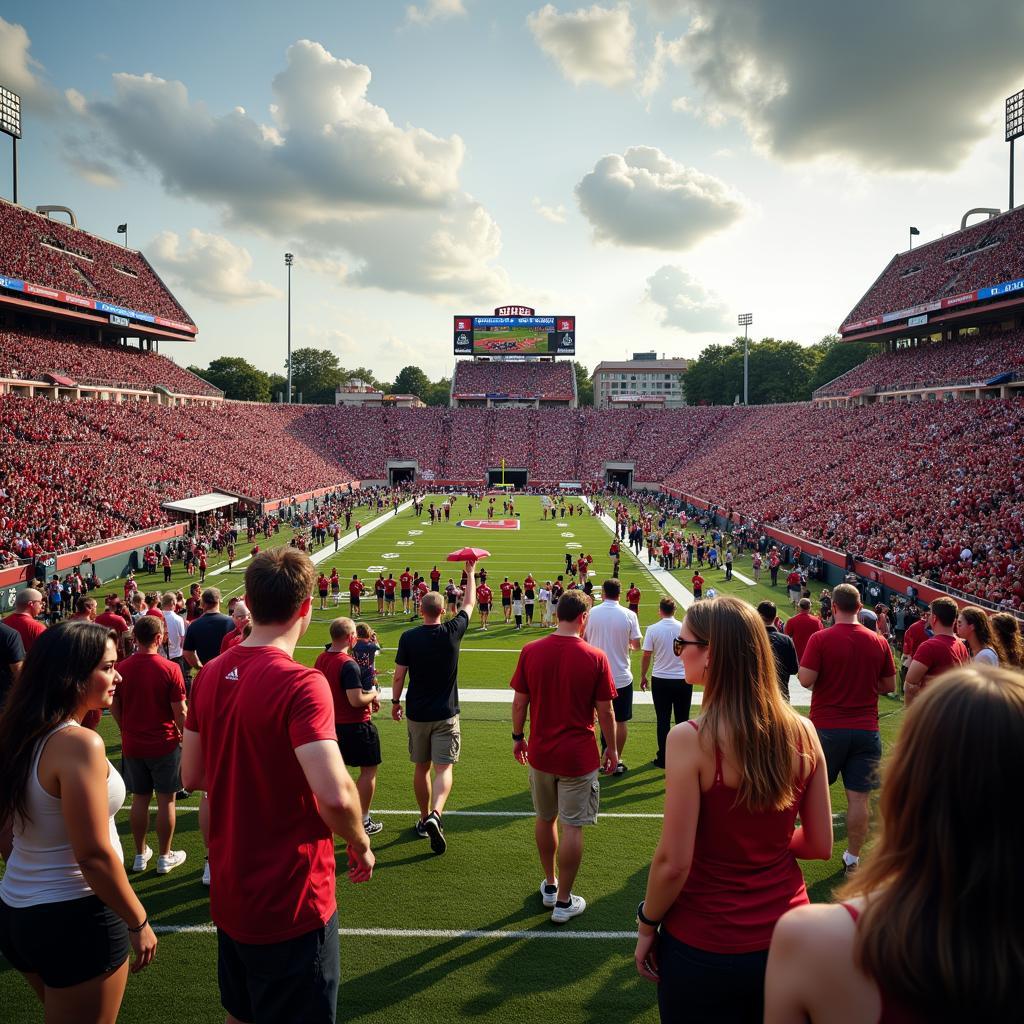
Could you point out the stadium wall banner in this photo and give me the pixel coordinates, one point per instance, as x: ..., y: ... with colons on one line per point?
x: 71, y: 299
x: 489, y: 524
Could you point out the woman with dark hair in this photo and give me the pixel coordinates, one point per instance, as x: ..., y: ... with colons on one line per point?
x: 67, y: 912
x: 736, y: 779
x: 1007, y: 629
x: 930, y: 927
x: 975, y: 629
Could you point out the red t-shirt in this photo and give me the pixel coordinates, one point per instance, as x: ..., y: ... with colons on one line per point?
x: 342, y: 673
x: 271, y: 852
x: 938, y: 653
x: 322, y: 584
x: 633, y: 595
x: 421, y: 587
x: 149, y: 685
x: 506, y: 590
x: 406, y: 580
x: 564, y: 677
x: 389, y: 588
x: 483, y: 594
x: 698, y: 582
x: 235, y: 637
x: 850, y: 661
x: 914, y: 637
x: 29, y: 629
x: 800, y: 628
x: 156, y: 613
x: 435, y: 575
x: 793, y: 580
x: 355, y: 589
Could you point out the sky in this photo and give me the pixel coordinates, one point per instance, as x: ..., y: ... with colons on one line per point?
x: 653, y: 167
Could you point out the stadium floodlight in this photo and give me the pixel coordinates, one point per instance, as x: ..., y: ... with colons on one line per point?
x: 1014, y: 128
x: 745, y: 320
x: 288, y: 257
x: 10, y: 124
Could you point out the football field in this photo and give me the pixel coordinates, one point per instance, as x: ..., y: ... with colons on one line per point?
x: 464, y: 934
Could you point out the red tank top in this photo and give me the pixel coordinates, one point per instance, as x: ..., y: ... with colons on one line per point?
x: 893, y: 1011
x: 743, y: 877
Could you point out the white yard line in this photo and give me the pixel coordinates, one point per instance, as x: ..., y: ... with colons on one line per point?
x: 497, y: 934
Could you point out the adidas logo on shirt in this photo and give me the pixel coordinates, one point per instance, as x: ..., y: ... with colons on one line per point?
x: 233, y: 674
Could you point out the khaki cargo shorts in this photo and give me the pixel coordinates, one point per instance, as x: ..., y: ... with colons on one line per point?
x: 439, y: 742
x: 572, y: 799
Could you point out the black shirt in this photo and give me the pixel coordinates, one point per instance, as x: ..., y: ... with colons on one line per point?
x: 431, y: 654
x: 12, y: 650
x: 786, y: 663
x: 205, y: 634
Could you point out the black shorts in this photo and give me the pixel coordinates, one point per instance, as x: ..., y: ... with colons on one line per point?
x: 64, y: 943
x: 290, y: 982
x: 153, y: 774
x: 359, y: 743
x: 853, y: 753
x: 389, y: 597
x: 485, y: 607
x: 353, y: 603
x: 622, y: 706
x: 506, y: 602
x: 406, y: 594
x: 380, y: 594
x: 435, y: 585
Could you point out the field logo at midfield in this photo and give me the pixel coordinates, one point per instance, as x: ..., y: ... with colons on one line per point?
x: 489, y: 524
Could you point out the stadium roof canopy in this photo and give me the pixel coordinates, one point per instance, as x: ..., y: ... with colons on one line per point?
x: 201, y: 503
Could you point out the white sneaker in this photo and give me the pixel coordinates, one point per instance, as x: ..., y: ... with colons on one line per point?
x: 206, y: 873
x: 549, y: 898
x: 167, y: 863
x: 142, y: 860
x: 577, y: 904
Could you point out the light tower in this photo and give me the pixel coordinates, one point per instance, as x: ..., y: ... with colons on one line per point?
x: 745, y: 320
x: 288, y: 257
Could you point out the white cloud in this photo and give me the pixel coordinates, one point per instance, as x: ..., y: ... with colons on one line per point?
x: 332, y: 169
x: 22, y: 73
x: 554, y: 214
x: 893, y: 87
x: 644, y: 198
x: 590, y: 44
x: 685, y: 302
x: 209, y: 265
x: 434, y: 10
x: 665, y: 52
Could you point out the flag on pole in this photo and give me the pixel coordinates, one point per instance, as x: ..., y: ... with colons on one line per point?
x: 122, y: 229
x: 914, y: 231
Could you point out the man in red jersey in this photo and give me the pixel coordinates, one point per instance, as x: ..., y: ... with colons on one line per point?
x: 802, y: 626
x: 506, y: 589
x: 149, y: 708
x: 633, y: 598
x: 405, y: 585
x: 355, y: 592
x: 794, y: 585
x: 28, y: 603
x: 846, y: 667
x: 697, y: 583
x: 484, y: 596
x: 260, y: 739
x: 435, y: 579
x: 241, y: 618
x: 562, y: 680
x: 358, y: 739
x: 942, y: 650
x: 390, y: 586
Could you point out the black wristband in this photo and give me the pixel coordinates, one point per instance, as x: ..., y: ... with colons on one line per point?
x: 642, y: 918
x: 135, y: 931
x: 517, y: 736
x: 396, y: 700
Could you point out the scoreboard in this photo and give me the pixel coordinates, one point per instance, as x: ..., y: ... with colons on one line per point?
x: 514, y: 335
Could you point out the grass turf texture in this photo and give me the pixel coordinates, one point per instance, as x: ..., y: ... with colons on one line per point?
x: 488, y: 879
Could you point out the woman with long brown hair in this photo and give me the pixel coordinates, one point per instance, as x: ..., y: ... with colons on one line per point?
x: 930, y: 928
x: 975, y: 629
x: 68, y: 915
x: 1007, y: 628
x: 736, y: 779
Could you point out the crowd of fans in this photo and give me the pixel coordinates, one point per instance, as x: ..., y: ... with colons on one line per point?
x: 548, y: 381
x: 969, y: 359
x: 984, y: 254
x: 29, y: 355
x: 53, y: 254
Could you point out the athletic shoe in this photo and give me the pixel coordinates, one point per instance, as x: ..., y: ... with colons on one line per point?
x: 420, y: 831
x: 549, y: 894
x: 621, y: 769
x: 206, y: 873
x: 432, y: 824
x: 182, y: 794
x: 658, y: 764
x: 142, y: 860
x: 167, y: 863
x: 372, y: 827
x: 850, y: 869
x: 577, y: 904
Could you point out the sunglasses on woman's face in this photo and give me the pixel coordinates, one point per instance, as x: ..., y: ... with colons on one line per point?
x: 679, y: 643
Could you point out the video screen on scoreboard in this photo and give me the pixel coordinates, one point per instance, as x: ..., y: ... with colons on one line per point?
x: 515, y: 335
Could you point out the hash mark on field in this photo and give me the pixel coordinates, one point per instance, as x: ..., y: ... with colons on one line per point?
x: 420, y: 933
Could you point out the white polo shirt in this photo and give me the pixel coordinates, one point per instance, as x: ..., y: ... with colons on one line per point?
x: 658, y: 639
x: 610, y: 627
x: 175, y: 628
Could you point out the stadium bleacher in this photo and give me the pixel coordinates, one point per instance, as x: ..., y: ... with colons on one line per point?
x: 546, y: 381
x: 29, y: 355
x: 47, y: 252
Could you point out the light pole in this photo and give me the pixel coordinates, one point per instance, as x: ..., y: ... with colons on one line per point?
x: 745, y: 320
x: 288, y: 257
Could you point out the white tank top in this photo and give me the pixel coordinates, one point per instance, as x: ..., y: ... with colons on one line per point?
x: 42, y: 867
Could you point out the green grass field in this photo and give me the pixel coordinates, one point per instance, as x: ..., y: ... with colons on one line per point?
x: 405, y: 955
x: 486, y: 341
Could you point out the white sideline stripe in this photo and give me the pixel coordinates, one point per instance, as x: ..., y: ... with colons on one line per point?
x: 742, y: 578
x: 420, y: 933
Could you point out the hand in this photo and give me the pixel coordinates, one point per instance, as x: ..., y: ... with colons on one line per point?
x: 374, y: 706
x: 521, y: 751
x: 396, y: 712
x: 360, y: 863
x: 611, y: 761
x: 646, y: 955
x: 643, y: 683
x: 144, y: 947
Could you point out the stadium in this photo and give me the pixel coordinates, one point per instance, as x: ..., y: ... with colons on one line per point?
x: 902, y: 476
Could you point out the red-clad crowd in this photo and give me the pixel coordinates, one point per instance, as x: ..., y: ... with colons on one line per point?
x: 48, y: 252
x: 968, y: 360
x: 28, y: 355
x: 549, y: 381
x: 984, y: 254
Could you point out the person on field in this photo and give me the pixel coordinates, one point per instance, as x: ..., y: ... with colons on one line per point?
x: 846, y: 667
x: 669, y: 689
x: 149, y: 708
x: 429, y: 656
x: 907, y: 943
x: 69, y: 917
x: 562, y: 682
x: 783, y: 648
x: 260, y: 739
x: 736, y: 781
